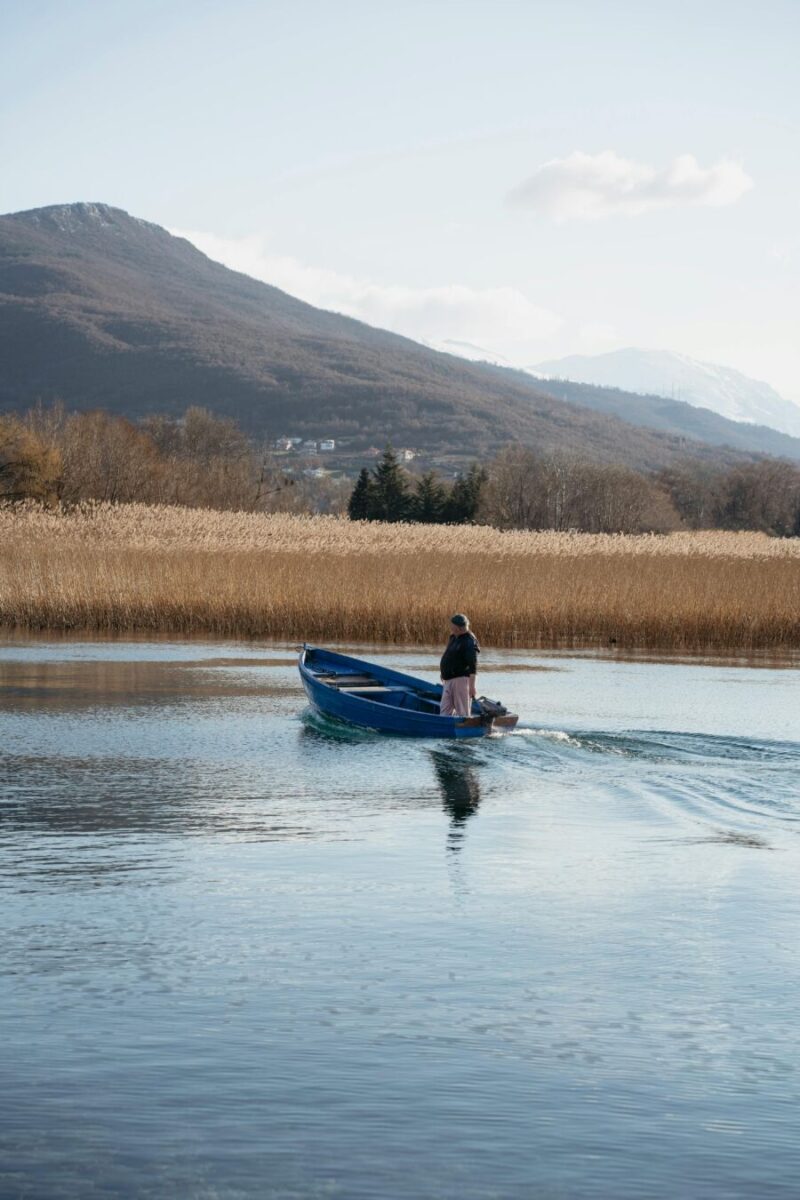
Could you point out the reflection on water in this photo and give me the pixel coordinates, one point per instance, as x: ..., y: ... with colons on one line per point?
x: 35, y: 686
x: 461, y: 791
x: 250, y: 952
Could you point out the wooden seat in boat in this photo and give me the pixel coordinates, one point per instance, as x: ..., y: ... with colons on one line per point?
x: 341, y: 681
x: 360, y: 687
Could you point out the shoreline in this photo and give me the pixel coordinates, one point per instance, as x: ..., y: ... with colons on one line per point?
x: 758, y: 660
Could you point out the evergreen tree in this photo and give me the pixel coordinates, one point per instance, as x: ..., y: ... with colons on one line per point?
x: 465, y: 496
x: 362, y: 500
x: 430, y: 502
x: 390, y: 489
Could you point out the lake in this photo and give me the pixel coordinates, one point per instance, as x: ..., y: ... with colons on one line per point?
x: 250, y: 953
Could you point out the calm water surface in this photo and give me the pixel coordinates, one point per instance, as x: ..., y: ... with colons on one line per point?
x: 247, y: 953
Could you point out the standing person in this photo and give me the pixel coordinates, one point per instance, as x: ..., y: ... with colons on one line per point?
x: 459, y: 669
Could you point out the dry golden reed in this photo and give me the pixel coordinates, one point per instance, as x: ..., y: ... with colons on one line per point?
x: 135, y: 568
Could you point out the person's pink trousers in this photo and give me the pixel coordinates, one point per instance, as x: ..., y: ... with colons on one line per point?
x: 455, y: 700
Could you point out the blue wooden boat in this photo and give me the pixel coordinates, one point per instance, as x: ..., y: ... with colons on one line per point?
x: 375, y: 697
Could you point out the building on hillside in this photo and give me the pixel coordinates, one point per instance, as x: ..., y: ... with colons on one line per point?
x: 310, y: 447
x: 283, y: 443
x: 328, y: 444
x: 406, y: 455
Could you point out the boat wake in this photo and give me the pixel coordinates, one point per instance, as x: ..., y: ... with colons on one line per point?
x: 664, y: 746
x: 702, y: 787
x: 730, y: 790
x: 550, y: 735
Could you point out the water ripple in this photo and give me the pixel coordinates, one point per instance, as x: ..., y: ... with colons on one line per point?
x: 249, y: 952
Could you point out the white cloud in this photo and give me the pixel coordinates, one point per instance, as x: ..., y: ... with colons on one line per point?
x: 588, y: 186
x: 434, y: 314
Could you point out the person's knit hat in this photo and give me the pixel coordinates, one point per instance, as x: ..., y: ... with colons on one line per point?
x: 460, y: 619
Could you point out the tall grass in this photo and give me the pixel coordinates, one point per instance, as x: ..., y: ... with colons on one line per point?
x: 135, y: 568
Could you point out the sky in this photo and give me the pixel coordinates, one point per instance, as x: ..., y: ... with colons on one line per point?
x: 532, y: 178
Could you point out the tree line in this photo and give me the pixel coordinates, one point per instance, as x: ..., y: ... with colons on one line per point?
x: 522, y: 488
x: 197, y: 461
x: 204, y: 461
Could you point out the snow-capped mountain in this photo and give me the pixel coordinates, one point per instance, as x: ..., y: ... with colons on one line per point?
x: 678, y: 377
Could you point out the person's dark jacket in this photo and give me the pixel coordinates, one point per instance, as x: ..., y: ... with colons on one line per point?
x: 461, y: 656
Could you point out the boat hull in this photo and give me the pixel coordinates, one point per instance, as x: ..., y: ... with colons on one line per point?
x: 397, y: 704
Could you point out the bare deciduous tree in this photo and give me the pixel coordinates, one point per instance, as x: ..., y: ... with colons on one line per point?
x: 527, y: 490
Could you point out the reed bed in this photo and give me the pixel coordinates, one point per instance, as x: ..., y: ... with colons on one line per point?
x: 140, y: 569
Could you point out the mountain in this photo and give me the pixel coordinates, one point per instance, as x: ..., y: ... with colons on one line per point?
x: 676, y: 418
x: 102, y: 309
x: 678, y: 377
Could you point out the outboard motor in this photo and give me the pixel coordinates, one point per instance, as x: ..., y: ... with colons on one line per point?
x: 490, y: 709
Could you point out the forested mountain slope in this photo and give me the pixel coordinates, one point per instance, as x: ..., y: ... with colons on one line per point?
x: 101, y: 309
